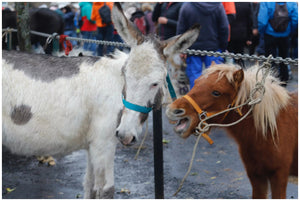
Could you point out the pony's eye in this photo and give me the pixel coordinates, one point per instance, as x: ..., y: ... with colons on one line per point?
x: 216, y: 93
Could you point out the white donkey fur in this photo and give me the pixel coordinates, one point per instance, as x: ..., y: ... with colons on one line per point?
x: 83, y: 110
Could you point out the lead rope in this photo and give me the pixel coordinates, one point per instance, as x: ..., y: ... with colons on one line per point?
x: 190, y: 165
x: 141, y: 145
x: 204, y: 127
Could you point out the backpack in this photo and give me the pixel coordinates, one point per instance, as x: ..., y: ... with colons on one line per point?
x: 104, y: 13
x: 281, y: 18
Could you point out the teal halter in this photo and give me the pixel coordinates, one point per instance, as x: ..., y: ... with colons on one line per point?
x: 144, y: 109
x: 135, y: 107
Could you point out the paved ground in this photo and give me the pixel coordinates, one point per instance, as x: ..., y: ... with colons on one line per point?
x: 217, y: 171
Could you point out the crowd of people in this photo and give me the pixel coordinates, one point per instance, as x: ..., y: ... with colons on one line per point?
x: 237, y: 27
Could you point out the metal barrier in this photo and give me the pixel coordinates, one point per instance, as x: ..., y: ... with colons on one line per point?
x: 276, y: 60
x: 157, y: 115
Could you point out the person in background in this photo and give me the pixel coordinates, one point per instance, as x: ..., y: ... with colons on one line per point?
x: 277, y: 41
x: 241, y: 30
x: 104, y: 31
x: 77, y: 20
x: 89, y: 27
x: 54, y: 7
x: 230, y: 11
x: 213, y: 33
x: 148, y: 11
x: 166, y: 16
x: 255, y: 33
x: 70, y: 29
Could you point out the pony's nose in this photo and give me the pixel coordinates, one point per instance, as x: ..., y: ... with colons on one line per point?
x: 178, y: 112
x: 117, y: 133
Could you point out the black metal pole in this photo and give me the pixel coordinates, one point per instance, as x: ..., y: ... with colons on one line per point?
x: 158, y: 154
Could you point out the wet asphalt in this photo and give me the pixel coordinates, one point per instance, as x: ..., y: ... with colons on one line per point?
x: 217, y: 171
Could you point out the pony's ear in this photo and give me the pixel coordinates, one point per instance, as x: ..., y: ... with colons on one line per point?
x: 181, y: 42
x: 128, y: 32
x: 238, y: 77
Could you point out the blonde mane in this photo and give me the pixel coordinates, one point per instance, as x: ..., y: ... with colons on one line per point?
x: 274, y: 99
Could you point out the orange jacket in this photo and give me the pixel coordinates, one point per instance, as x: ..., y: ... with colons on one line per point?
x: 230, y: 11
x: 95, y: 14
x: 229, y: 8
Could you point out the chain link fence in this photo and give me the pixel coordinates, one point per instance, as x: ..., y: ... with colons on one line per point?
x: 50, y: 37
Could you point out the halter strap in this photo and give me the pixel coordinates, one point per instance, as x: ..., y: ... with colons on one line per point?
x: 144, y: 109
x: 137, y: 108
x: 195, y: 105
x: 201, y: 112
x: 198, y: 109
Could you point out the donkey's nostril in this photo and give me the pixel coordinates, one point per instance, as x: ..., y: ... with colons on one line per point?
x: 117, y: 133
x: 133, y: 140
x: 178, y: 111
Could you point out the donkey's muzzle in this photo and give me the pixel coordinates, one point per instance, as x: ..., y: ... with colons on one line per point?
x: 126, y: 140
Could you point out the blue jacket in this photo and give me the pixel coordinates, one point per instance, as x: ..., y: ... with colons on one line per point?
x: 69, y: 21
x: 214, y: 24
x: 266, y: 12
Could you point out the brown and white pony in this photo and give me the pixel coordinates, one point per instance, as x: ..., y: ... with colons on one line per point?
x: 267, y: 138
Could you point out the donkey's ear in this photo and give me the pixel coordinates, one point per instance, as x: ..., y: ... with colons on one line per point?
x: 128, y: 32
x: 238, y: 77
x: 181, y: 42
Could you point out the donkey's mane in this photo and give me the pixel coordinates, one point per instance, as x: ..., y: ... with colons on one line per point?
x: 274, y: 99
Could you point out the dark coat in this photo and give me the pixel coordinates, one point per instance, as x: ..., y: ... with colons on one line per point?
x: 241, y: 27
x: 171, y: 13
x: 213, y: 21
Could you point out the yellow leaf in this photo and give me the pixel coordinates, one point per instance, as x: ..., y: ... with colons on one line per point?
x: 124, y: 190
x: 165, y: 141
x: 9, y: 190
x: 213, y: 177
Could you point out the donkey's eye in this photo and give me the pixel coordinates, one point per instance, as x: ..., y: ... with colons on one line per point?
x: 216, y: 93
x: 154, y: 85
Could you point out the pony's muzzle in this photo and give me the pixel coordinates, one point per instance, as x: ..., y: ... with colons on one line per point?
x: 174, y: 112
x: 127, y: 140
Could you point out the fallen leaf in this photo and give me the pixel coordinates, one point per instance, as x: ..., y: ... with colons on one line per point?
x: 213, y: 177
x: 238, y: 179
x: 9, y: 190
x: 165, y: 141
x: 218, y: 162
x: 124, y: 190
x: 194, y: 174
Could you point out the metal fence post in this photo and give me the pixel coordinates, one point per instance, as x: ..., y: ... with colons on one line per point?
x: 158, y: 154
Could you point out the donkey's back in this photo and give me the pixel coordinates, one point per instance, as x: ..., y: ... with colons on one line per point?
x: 44, y: 107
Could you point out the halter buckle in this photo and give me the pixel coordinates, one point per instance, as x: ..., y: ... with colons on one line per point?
x: 202, y: 115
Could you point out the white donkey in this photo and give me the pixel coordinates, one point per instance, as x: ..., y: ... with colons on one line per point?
x: 54, y: 106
